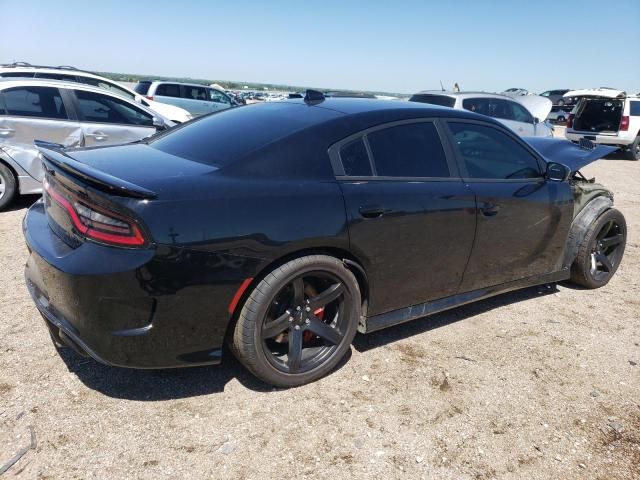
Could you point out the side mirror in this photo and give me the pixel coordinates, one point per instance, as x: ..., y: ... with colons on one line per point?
x: 159, y: 124
x: 536, y: 120
x: 557, y: 172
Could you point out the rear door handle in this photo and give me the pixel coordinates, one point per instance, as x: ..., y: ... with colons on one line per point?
x: 371, y: 211
x: 490, y: 210
x: 98, y: 136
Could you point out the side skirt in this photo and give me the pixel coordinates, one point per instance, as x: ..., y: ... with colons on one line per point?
x: 396, y: 317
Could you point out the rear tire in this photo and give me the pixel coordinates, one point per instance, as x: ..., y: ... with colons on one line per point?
x: 601, y: 250
x: 634, y: 149
x: 8, y: 185
x: 299, y: 321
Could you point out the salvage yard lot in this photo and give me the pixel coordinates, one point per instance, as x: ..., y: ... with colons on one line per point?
x: 540, y: 383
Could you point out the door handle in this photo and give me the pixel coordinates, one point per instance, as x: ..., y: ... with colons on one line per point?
x: 98, y: 136
x: 6, y: 132
x: 371, y: 211
x: 490, y: 210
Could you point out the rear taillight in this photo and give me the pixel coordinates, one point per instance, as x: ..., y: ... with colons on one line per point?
x: 570, y: 121
x: 97, y: 222
x: 149, y: 97
x: 624, y: 124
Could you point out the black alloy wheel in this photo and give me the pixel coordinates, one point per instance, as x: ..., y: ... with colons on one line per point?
x: 299, y: 321
x: 602, y: 250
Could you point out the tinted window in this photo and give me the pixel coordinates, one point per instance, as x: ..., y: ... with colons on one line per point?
x: 491, y: 107
x: 489, y: 153
x: 95, y: 107
x: 218, y: 97
x: 194, y: 93
x: 520, y: 114
x: 412, y: 150
x: 634, y: 109
x: 355, y: 159
x: 233, y: 133
x: 441, y: 100
x: 168, y: 90
x: 56, y: 76
x: 44, y: 102
x: 17, y: 74
x: 112, y: 87
x: 142, y: 87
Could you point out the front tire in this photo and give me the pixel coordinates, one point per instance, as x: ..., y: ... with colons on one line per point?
x: 299, y: 321
x: 601, y: 250
x: 8, y: 186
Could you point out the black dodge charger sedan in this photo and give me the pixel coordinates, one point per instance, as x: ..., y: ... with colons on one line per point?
x: 283, y: 228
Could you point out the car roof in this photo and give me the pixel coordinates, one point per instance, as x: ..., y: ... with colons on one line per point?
x: 469, y: 94
x: 60, y: 70
x: 177, y: 83
x: 45, y: 82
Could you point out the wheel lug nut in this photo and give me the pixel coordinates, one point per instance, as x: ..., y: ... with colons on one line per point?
x: 307, y: 321
x: 308, y: 309
x: 291, y: 319
x: 298, y: 308
x: 297, y: 327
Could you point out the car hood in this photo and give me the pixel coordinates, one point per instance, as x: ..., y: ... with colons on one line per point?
x: 597, y: 92
x: 567, y: 153
x: 537, y: 105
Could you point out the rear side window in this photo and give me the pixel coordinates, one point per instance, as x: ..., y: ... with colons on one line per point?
x: 519, y: 113
x: 412, y: 150
x: 56, y: 76
x: 17, y: 75
x: 491, y: 107
x: 489, y: 153
x: 142, y: 87
x: 442, y: 100
x: 168, y: 90
x: 41, y: 102
x: 195, y: 93
x: 95, y: 107
x: 634, y: 109
x: 355, y: 159
x: 112, y: 87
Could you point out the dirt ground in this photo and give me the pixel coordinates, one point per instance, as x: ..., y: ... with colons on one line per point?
x: 542, y: 383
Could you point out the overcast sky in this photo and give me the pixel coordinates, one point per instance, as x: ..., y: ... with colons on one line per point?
x: 392, y: 46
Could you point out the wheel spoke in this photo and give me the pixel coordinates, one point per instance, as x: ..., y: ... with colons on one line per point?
x: 611, y: 241
x: 324, y: 331
x: 605, y: 230
x: 274, y: 327
x: 294, y: 357
x: 298, y: 291
x: 329, y: 295
x: 605, y: 262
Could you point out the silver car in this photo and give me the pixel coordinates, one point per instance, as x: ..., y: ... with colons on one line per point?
x: 65, y: 113
x: 194, y: 98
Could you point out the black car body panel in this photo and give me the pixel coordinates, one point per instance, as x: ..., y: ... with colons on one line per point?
x: 214, y: 228
x: 570, y: 154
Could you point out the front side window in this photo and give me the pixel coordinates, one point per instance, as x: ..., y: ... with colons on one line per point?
x: 195, y: 93
x: 519, y: 113
x: 168, y: 90
x: 112, y: 87
x: 95, y: 107
x: 41, y: 102
x: 491, y: 107
x: 355, y: 159
x: 218, y: 97
x: 412, y: 150
x: 489, y: 153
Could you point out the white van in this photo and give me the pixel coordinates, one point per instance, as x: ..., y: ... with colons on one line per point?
x: 194, y: 98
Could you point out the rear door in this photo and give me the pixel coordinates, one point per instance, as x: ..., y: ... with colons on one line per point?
x: 170, y: 93
x: 29, y: 113
x: 196, y: 99
x: 411, y: 218
x: 111, y: 120
x: 523, y: 219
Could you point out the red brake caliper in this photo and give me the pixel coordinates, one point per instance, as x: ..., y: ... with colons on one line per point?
x: 318, y: 313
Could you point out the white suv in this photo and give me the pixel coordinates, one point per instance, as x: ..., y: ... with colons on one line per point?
x: 606, y: 116
x: 72, y: 74
x: 195, y: 98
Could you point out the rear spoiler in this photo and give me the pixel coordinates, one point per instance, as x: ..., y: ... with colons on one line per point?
x: 563, y: 151
x: 52, y: 153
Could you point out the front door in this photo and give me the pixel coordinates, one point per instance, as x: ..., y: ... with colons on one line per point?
x: 411, y: 218
x: 111, y: 120
x: 523, y: 219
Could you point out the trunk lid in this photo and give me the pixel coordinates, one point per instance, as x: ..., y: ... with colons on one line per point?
x: 540, y: 107
x: 597, y: 92
x: 567, y: 153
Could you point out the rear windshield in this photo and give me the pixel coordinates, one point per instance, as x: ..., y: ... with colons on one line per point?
x: 142, y: 87
x: 224, y: 137
x: 441, y: 100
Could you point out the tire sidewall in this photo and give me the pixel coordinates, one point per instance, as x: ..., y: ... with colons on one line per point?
x: 9, y: 181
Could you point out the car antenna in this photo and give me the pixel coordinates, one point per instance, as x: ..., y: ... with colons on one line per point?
x: 441, y: 86
x: 313, y: 96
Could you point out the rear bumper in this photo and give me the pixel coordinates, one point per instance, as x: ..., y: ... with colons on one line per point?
x: 614, y: 140
x: 157, y: 308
